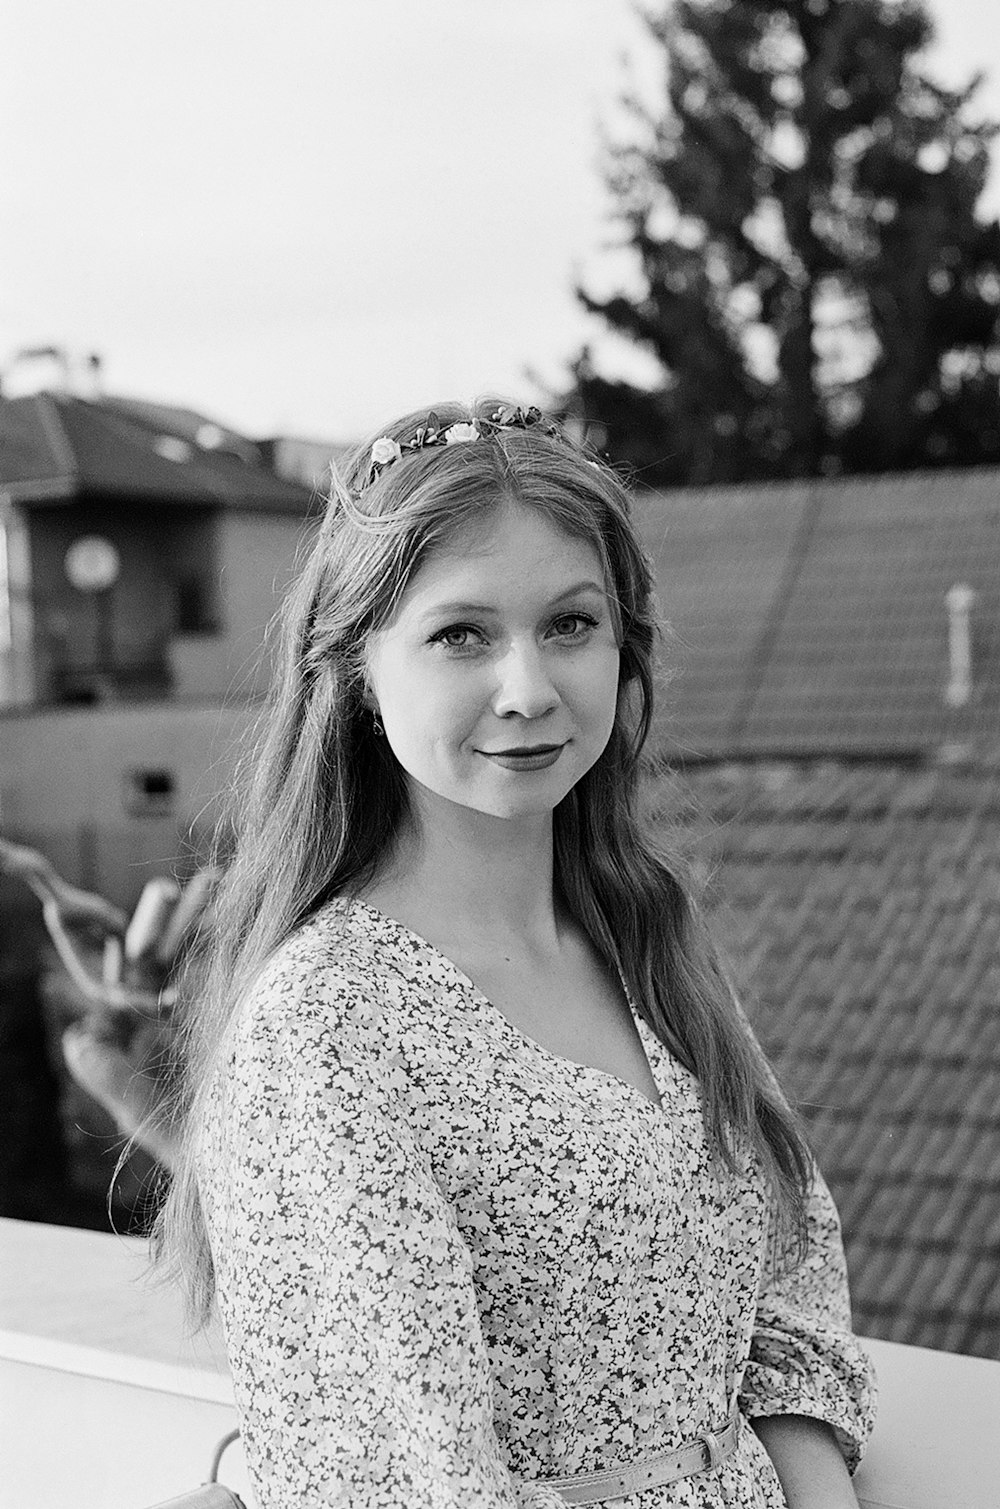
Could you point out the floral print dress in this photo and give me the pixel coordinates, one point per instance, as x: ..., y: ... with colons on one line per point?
x: 452, y: 1265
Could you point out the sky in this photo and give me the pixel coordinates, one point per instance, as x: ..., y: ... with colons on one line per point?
x: 306, y: 217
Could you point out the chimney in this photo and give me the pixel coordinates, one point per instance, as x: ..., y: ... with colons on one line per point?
x: 43, y: 362
x: 960, y: 599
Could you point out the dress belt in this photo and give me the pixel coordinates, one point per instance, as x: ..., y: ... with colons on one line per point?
x: 704, y: 1453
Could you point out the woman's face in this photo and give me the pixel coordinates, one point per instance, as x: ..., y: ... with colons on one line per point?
x: 496, y: 681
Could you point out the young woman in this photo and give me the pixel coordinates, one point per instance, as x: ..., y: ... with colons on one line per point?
x: 497, y: 1197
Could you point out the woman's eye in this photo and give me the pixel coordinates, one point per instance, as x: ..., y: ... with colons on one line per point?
x: 573, y: 625
x: 458, y: 637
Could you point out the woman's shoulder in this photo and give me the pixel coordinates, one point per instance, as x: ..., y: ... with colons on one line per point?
x: 314, y: 1016
x: 328, y: 968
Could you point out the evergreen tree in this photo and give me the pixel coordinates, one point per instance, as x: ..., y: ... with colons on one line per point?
x: 816, y: 286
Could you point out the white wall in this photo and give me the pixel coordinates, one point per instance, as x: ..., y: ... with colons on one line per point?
x: 66, y: 785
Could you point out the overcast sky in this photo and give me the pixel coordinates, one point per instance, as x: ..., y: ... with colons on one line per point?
x: 303, y: 216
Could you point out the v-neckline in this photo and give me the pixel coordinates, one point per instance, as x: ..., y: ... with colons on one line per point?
x: 515, y: 1033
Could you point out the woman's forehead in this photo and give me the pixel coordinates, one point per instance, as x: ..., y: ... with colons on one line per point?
x: 510, y: 540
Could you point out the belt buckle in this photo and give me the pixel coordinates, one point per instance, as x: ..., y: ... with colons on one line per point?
x: 712, y: 1443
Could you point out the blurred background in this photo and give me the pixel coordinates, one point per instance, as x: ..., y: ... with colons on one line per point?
x: 749, y: 251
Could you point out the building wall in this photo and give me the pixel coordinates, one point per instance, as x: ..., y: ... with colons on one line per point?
x: 305, y: 461
x: 17, y: 634
x: 258, y: 555
x: 255, y: 556
x: 114, y: 795
x: 119, y: 791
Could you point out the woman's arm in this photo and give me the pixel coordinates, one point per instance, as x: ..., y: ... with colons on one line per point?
x: 346, y: 1289
x: 809, y: 1386
x: 809, y: 1389
x: 808, y: 1461
x: 805, y: 1363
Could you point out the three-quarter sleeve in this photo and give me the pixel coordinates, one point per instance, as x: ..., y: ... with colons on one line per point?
x: 346, y: 1290
x: 804, y: 1358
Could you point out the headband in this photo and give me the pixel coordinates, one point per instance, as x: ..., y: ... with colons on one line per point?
x: 431, y: 433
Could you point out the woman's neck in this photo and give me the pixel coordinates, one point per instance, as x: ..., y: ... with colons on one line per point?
x: 472, y: 879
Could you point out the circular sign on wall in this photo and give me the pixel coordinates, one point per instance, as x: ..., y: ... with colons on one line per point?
x: 92, y: 563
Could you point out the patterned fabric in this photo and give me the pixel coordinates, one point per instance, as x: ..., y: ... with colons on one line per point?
x: 452, y: 1264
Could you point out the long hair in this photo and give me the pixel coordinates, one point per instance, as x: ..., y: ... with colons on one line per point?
x: 322, y: 799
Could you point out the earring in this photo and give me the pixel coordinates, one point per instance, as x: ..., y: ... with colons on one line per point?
x: 377, y: 728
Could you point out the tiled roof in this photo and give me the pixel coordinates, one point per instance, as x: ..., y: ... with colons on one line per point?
x: 54, y: 447
x: 810, y: 617
x: 862, y: 905
x: 190, y: 424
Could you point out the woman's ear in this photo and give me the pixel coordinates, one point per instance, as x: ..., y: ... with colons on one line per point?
x: 364, y: 685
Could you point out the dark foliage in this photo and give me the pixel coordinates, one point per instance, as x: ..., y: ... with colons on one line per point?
x: 816, y: 286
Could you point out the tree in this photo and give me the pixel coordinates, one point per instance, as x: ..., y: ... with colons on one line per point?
x: 814, y: 282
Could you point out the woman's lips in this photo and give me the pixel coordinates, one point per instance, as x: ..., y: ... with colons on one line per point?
x: 532, y: 757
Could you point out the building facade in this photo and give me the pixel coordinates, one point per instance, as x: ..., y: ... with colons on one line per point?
x: 142, y: 553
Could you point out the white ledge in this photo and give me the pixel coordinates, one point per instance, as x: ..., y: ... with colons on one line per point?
x: 95, y: 1357
x: 115, y: 1367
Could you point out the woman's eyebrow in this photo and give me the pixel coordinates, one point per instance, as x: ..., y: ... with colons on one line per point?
x: 578, y: 589
x: 437, y: 610
x: 433, y: 610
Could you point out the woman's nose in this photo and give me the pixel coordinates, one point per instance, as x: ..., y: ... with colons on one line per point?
x: 524, y: 684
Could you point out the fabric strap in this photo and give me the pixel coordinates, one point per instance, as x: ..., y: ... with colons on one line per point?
x: 702, y: 1454
x: 208, y: 1496
x: 212, y: 1494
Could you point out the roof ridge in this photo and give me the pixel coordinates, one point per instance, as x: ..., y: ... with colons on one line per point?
x: 761, y: 653
x: 55, y: 434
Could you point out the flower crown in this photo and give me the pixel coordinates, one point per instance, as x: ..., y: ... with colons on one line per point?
x: 431, y: 433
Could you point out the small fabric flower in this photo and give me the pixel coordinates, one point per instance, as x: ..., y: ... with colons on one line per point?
x: 385, y: 450
x: 459, y: 434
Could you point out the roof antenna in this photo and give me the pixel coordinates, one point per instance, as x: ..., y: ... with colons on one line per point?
x: 95, y: 373
x: 960, y: 599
